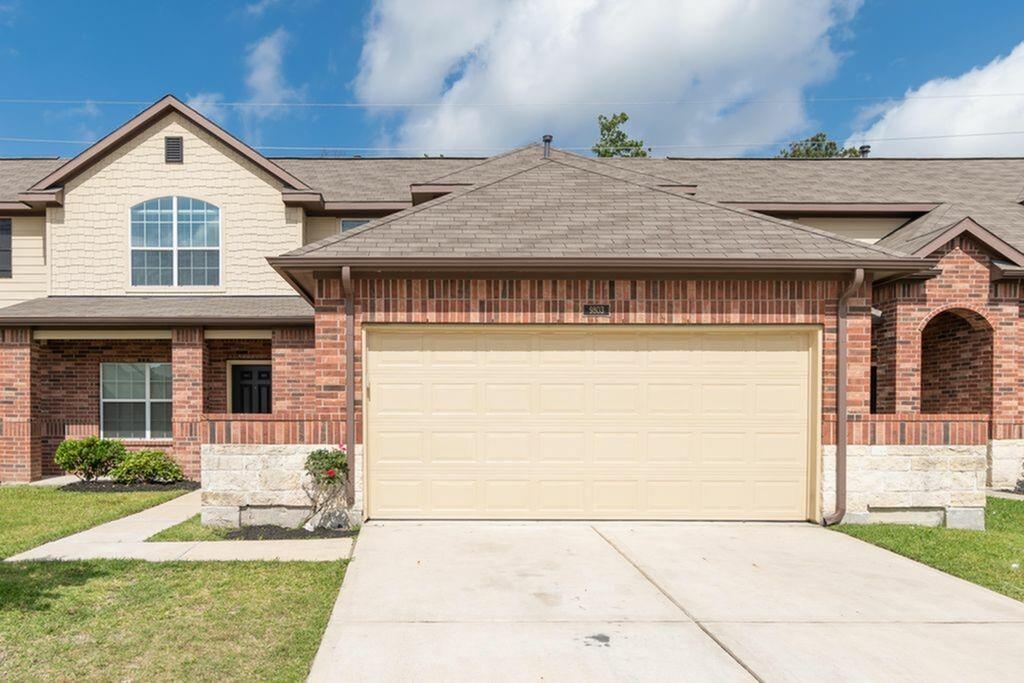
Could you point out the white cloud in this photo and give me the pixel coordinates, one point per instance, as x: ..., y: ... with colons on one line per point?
x: 209, y: 104
x: 266, y: 82
x: 941, y: 110
x: 532, y: 53
x: 257, y: 8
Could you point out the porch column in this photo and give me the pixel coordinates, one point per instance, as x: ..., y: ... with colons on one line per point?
x: 188, y: 358
x: 20, y: 447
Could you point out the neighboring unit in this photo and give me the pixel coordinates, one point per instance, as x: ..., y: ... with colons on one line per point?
x: 536, y: 335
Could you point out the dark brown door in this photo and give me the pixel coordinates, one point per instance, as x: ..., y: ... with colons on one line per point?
x: 250, y: 389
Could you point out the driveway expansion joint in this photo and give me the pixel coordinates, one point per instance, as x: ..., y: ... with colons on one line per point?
x: 725, y: 648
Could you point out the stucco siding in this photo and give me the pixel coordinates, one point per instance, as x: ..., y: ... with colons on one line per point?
x: 867, y: 230
x: 319, y: 227
x: 28, y: 261
x: 90, y: 233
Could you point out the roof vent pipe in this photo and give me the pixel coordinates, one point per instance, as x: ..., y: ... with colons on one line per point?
x: 864, y: 150
x: 547, y: 144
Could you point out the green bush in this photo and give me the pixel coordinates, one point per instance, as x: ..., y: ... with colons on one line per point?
x: 150, y: 467
x: 327, y: 465
x: 90, y: 457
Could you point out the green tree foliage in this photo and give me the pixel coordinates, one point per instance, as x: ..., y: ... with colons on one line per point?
x: 613, y: 141
x: 817, y: 147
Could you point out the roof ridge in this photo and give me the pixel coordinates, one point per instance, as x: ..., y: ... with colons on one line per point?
x: 487, y: 160
x: 750, y: 214
x: 404, y: 213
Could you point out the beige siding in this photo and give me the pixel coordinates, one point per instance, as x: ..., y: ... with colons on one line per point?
x: 28, y: 261
x: 867, y: 230
x: 319, y: 227
x: 89, y: 235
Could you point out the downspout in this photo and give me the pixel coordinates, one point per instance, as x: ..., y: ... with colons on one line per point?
x: 842, y: 308
x: 350, y: 379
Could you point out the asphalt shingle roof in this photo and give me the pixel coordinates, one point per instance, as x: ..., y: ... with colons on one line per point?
x: 369, y: 179
x: 17, y: 175
x: 527, y: 206
x: 58, y: 310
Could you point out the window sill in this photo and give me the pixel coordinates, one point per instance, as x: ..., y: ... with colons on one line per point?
x: 170, y: 291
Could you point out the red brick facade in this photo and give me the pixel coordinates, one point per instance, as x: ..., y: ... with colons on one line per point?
x: 929, y: 391
x: 559, y: 301
x: 950, y: 344
x: 49, y: 391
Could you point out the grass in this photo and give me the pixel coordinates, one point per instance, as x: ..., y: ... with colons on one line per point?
x: 993, y: 558
x: 190, y: 530
x: 32, y: 515
x: 124, y: 620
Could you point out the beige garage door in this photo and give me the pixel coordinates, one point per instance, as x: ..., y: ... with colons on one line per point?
x: 538, y: 422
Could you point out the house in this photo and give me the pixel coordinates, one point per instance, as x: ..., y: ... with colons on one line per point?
x: 533, y: 335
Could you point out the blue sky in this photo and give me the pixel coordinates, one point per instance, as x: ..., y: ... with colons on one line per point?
x: 696, y: 81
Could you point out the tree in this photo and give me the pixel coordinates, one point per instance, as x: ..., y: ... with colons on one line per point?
x: 817, y: 147
x: 613, y: 141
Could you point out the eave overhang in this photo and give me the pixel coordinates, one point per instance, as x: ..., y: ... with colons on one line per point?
x: 968, y: 226
x: 298, y: 270
x: 424, y: 192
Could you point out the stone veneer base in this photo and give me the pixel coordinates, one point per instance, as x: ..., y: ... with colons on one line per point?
x: 911, y: 484
x: 257, y: 484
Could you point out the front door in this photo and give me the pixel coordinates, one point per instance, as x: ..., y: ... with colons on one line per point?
x: 250, y: 389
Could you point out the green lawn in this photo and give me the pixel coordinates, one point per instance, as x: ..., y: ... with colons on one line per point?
x: 118, y: 620
x: 190, y: 530
x: 993, y: 558
x: 32, y: 515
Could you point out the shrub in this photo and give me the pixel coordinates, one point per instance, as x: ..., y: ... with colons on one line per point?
x: 90, y: 457
x: 328, y: 477
x: 150, y: 467
x: 327, y: 465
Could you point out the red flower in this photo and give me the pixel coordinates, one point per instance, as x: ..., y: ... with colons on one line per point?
x: 331, y: 473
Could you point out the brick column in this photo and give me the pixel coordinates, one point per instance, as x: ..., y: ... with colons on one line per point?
x: 329, y: 332
x: 20, y: 448
x: 188, y: 351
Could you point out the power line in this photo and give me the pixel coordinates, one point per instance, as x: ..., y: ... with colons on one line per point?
x: 537, y: 103
x: 736, y: 145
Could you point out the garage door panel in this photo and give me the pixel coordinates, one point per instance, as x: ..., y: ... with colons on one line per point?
x: 655, y: 423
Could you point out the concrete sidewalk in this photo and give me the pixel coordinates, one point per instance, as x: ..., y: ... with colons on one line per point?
x: 652, y: 602
x: 125, y: 538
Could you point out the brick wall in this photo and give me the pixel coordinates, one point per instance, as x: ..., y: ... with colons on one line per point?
x: 215, y: 375
x: 965, y: 288
x: 49, y: 391
x: 67, y: 373
x: 956, y: 365
x: 464, y: 300
x: 19, y: 445
x: 294, y: 359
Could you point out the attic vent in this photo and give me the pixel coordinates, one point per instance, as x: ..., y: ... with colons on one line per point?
x: 174, y: 150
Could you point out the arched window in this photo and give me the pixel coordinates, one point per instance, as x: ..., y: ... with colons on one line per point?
x: 175, y: 241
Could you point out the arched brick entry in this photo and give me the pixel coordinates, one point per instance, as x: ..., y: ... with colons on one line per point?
x: 956, y: 363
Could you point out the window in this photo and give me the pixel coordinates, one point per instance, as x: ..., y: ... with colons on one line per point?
x: 135, y: 400
x: 175, y: 241
x: 353, y: 223
x: 5, y: 247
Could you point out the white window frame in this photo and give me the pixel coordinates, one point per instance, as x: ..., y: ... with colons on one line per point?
x: 149, y: 401
x: 174, y: 248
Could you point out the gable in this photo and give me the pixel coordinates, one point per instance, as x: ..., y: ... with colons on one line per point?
x: 151, y: 116
x: 967, y: 227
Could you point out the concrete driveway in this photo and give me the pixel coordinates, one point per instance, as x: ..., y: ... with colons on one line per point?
x: 655, y: 601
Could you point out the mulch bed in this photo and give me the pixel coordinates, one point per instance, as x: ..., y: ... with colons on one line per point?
x: 277, y: 533
x: 105, y: 486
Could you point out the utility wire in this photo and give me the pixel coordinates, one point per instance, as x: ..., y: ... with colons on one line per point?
x: 583, y: 103
x: 743, y: 145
